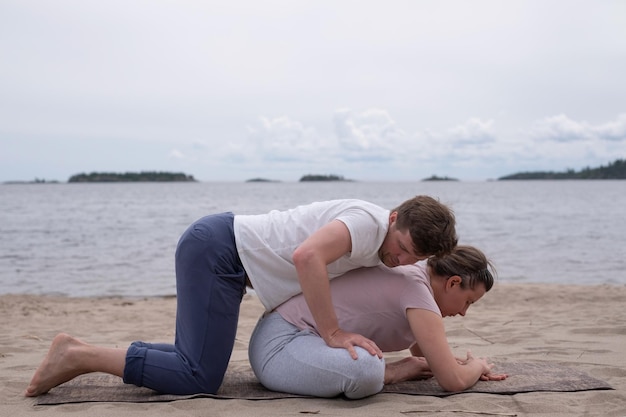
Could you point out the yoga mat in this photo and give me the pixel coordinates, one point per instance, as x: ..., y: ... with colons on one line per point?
x: 240, y: 383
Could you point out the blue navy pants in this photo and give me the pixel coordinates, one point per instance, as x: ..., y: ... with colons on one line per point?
x: 210, y: 284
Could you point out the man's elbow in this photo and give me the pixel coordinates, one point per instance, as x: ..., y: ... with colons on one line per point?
x: 302, y: 257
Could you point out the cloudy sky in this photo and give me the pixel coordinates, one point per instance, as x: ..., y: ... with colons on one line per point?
x: 371, y: 90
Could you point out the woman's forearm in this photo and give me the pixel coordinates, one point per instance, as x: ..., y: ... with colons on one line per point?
x: 463, y: 376
x: 412, y: 368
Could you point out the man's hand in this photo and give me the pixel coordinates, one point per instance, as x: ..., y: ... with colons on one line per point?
x: 346, y: 340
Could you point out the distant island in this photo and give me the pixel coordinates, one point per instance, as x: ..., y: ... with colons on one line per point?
x: 438, y: 178
x: 311, y: 177
x: 613, y: 171
x: 35, y: 181
x: 261, y: 180
x: 144, y: 176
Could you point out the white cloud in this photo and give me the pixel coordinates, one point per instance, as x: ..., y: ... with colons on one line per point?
x: 282, y: 139
x: 613, y: 131
x: 176, y: 154
x: 370, y: 141
x: 561, y: 128
x: 469, y: 140
x: 473, y: 132
x: 370, y: 134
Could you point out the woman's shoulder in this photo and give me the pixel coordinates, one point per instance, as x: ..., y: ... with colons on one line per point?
x: 416, y: 271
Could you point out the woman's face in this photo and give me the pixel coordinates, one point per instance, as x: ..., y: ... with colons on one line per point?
x: 455, y: 300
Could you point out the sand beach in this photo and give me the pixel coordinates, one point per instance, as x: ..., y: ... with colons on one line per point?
x: 582, y: 327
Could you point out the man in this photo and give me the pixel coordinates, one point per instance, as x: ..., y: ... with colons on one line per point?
x: 279, y: 254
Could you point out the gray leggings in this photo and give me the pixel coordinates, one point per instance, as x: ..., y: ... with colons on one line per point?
x: 287, y: 359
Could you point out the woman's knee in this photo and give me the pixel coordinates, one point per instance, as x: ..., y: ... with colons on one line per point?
x: 366, y: 376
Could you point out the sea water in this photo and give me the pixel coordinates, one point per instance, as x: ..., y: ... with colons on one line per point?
x: 102, y: 239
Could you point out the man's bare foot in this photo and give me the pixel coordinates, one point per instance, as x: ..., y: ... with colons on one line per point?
x: 61, y: 364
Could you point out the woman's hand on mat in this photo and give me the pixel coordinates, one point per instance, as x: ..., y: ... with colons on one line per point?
x: 493, y: 377
x: 487, y: 374
x: 347, y: 340
x: 460, y: 361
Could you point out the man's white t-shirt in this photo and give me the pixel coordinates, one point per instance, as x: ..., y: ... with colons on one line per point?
x: 265, y: 243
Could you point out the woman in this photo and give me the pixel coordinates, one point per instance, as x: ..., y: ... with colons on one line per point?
x: 397, y: 309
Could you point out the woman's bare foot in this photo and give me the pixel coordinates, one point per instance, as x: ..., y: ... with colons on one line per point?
x: 61, y: 364
x: 407, y: 369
